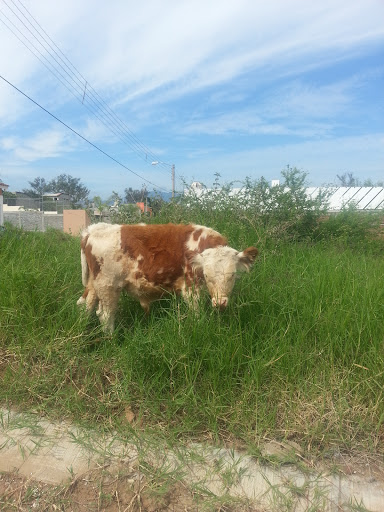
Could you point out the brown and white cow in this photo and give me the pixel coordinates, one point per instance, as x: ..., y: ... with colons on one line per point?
x: 150, y: 260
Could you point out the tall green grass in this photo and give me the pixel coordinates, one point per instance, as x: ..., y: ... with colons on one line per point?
x: 298, y: 353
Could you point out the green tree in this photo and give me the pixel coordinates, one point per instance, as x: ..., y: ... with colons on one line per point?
x: 347, y: 179
x: 135, y: 196
x: 116, y: 198
x: 101, y: 205
x: 8, y: 194
x: 67, y: 184
x: 38, y: 187
x: 370, y: 183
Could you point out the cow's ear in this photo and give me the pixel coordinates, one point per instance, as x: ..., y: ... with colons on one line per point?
x: 197, y: 261
x: 247, y: 258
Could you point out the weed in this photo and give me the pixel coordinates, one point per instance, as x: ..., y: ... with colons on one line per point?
x: 298, y: 354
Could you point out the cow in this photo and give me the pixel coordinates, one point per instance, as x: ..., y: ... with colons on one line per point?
x: 150, y: 260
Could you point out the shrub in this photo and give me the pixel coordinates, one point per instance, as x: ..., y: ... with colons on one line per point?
x: 280, y: 213
x: 350, y: 227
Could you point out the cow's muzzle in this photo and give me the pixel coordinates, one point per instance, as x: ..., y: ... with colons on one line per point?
x: 220, y: 303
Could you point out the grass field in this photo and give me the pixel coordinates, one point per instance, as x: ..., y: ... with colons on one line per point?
x: 298, y: 354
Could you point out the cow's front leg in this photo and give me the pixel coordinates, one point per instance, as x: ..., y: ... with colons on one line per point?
x: 145, y: 304
x: 191, y: 295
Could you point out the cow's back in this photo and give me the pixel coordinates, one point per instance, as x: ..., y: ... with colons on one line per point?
x: 162, y: 251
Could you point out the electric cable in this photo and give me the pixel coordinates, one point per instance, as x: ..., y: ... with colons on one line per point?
x: 81, y: 136
x: 90, y: 98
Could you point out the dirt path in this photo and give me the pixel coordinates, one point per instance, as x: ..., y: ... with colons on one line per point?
x: 99, y: 491
x: 48, y: 466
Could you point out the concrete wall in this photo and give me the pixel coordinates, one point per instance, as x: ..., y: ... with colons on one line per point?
x: 74, y: 221
x: 34, y: 221
x: 70, y: 221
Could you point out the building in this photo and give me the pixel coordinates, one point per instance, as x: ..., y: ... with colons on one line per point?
x: 55, y: 202
x: 58, y: 197
x: 3, y: 187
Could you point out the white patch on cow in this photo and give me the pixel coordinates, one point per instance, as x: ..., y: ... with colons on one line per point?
x: 104, y: 288
x: 106, y: 244
x: 131, y: 269
x: 193, y: 244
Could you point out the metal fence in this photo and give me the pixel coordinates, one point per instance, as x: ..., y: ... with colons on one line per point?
x: 37, y: 204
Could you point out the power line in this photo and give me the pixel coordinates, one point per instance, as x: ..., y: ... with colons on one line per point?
x: 63, y: 79
x: 79, y: 135
x: 133, y: 141
x: 79, y: 86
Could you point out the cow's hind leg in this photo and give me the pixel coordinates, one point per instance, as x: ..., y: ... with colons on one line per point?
x: 89, y: 299
x: 108, y: 300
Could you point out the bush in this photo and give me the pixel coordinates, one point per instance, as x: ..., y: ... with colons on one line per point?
x: 273, y: 214
x: 350, y: 227
x: 125, y: 214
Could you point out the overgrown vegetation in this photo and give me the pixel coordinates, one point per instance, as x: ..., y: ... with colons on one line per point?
x: 298, y: 354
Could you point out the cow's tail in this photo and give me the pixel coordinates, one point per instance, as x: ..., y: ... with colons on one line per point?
x: 84, y: 275
x: 84, y: 268
x: 84, y: 263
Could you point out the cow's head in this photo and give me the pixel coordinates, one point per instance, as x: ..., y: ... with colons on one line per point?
x: 219, y: 266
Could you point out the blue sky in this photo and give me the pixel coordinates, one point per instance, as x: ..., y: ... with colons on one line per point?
x: 242, y: 88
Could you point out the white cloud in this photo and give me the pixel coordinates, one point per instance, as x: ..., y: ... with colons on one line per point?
x: 254, y: 122
x: 299, y: 100
x: 273, y: 38
x: 141, y: 47
x: 47, y: 144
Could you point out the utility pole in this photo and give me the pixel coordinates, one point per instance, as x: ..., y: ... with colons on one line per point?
x: 173, y: 181
x: 173, y: 174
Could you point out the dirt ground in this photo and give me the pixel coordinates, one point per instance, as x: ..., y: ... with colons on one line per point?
x: 101, y: 491
x: 91, y: 472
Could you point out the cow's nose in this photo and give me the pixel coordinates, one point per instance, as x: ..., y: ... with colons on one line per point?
x: 220, y: 303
